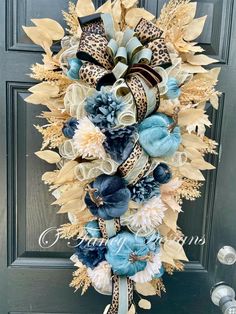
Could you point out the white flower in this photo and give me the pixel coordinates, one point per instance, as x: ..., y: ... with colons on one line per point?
x: 88, y: 140
x: 101, y: 278
x: 151, y: 269
x: 146, y: 218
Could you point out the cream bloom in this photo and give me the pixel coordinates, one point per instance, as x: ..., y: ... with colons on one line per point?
x: 101, y: 278
x: 88, y: 140
x: 151, y: 269
x: 146, y: 218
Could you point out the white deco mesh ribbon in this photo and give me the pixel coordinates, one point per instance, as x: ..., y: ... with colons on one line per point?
x: 127, y: 116
x: 75, y: 98
x: 92, y: 169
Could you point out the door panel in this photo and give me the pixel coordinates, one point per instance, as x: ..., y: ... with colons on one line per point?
x: 37, y: 279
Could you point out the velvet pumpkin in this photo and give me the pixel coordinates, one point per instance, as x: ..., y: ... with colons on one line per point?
x: 120, y: 250
x: 107, y: 197
x: 155, y: 137
x: 162, y: 173
x: 173, y: 88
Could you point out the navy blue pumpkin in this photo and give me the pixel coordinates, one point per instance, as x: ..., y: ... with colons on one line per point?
x: 162, y: 173
x: 107, y: 197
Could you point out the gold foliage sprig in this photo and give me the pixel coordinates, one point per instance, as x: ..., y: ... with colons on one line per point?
x: 170, y: 13
x: 158, y: 286
x: 69, y: 231
x: 189, y: 189
x: 81, y: 280
x: 197, y: 90
x: 41, y: 73
x: 179, y: 266
x: 71, y: 19
x: 52, y: 134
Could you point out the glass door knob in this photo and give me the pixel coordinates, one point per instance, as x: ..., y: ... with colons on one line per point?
x: 223, y: 296
x: 227, y: 255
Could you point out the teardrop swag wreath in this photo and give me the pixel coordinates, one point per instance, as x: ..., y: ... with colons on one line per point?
x: 125, y: 108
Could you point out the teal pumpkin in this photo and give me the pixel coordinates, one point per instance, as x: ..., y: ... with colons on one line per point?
x: 173, y: 88
x: 119, y: 254
x: 155, y: 137
x: 74, y: 67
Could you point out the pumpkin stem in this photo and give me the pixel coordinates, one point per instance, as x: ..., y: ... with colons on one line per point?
x: 175, y: 118
x: 135, y: 258
x: 96, y: 199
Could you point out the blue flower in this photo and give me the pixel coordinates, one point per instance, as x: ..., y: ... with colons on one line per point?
x: 74, y: 67
x: 144, y: 189
x: 127, y: 254
x: 93, y: 230
x: 69, y: 127
x: 162, y: 173
x: 102, y: 108
x: 120, y: 142
x: 107, y: 197
x: 173, y: 88
x: 90, y: 254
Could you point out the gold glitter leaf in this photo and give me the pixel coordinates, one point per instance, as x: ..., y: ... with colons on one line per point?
x: 50, y: 27
x: 201, y: 164
x: 49, y: 156
x: 194, y: 29
x: 134, y: 15
x: 145, y: 304
x: 85, y: 7
x: 190, y: 172
x: 145, y: 289
x: 39, y: 37
x: 200, y: 59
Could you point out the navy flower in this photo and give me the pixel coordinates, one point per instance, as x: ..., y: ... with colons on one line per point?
x: 120, y: 142
x: 162, y: 173
x: 90, y: 254
x: 144, y: 189
x: 69, y: 127
x: 102, y: 108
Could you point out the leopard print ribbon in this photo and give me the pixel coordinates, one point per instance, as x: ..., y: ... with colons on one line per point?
x: 101, y: 67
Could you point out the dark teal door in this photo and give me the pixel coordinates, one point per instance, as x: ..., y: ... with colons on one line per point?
x: 34, y: 279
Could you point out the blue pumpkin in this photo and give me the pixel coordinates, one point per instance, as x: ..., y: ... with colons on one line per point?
x: 162, y: 173
x: 173, y: 88
x: 69, y: 127
x: 74, y: 67
x: 120, y: 252
x: 156, y: 138
x: 107, y: 197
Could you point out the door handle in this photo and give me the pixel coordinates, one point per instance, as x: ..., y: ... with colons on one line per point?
x: 227, y: 255
x: 223, y: 296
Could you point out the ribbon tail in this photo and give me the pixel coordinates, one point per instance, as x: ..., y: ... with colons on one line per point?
x: 122, y: 298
